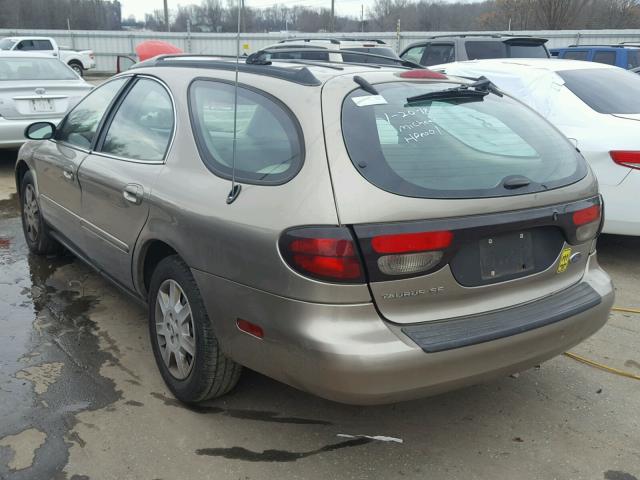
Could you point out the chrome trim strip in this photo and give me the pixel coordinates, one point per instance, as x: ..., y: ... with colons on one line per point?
x: 103, y: 235
x: 90, y: 227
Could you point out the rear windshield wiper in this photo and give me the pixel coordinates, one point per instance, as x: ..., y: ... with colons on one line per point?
x: 471, y: 92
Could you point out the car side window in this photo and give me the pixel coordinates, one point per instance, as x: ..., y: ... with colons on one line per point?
x: 604, y: 56
x: 576, y: 54
x: 437, y: 53
x: 269, y: 143
x: 25, y: 45
x: 322, y: 56
x: 414, y: 54
x: 143, y: 124
x: 43, y: 45
x: 80, y: 125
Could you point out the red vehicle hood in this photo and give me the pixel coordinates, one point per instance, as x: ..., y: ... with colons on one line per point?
x: 152, y: 48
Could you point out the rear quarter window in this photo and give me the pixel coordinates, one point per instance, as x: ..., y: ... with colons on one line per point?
x: 576, y: 54
x: 269, y: 141
x: 451, y: 148
x: 605, y: 90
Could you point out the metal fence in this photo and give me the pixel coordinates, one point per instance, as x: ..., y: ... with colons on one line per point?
x: 108, y: 44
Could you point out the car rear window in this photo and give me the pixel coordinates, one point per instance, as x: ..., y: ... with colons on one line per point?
x: 478, y: 50
x: 605, y: 90
x: 269, y: 144
x: 35, y: 69
x: 355, y: 58
x: 449, y: 148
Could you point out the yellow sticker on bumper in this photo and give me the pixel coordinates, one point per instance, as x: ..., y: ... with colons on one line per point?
x: 565, y: 258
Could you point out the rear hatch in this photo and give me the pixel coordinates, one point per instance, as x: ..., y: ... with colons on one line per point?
x: 460, y: 203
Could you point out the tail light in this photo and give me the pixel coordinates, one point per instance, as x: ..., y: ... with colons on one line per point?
x: 587, y: 222
x: 324, y: 253
x: 626, y: 158
x: 410, y: 253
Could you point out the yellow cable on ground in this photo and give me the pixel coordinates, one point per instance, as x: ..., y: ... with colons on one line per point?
x: 628, y: 310
x: 601, y: 366
x: 606, y: 368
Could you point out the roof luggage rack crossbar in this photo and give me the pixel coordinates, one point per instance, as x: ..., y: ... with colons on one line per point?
x: 258, y: 58
x: 300, y: 75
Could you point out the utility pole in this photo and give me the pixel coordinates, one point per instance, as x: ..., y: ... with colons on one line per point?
x: 362, y: 17
x: 332, y: 24
x: 244, y: 26
x: 166, y: 15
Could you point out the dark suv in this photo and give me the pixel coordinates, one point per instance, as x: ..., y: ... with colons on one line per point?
x: 455, y: 48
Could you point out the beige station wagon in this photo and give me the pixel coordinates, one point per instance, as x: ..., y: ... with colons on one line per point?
x: 393, y: 233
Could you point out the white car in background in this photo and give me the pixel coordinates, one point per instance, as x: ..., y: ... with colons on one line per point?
x: 596, y: 105
x: 34, y: 87
x: 79, y: 61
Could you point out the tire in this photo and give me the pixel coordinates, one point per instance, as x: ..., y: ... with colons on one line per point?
x: 77, y: 68
x: 36, y: 231
x: 206, y: 374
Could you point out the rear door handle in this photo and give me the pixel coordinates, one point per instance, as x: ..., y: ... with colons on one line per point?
x: 132, y: 193
x: 68, y: 174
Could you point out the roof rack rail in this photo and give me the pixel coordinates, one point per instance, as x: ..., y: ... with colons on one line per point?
x: 333, y: 40
x: 258, y: 58
x: 491, y: 35
x: 587, y: 45
x: 300, y: 75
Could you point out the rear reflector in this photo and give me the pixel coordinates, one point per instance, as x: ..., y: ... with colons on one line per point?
x: 325, y: 253
x: 250, y: 328
x: 626, y: 158
x: 411, y: 242
x: 423, y: 73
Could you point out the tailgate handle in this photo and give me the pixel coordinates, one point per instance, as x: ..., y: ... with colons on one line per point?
x: 133, y: 193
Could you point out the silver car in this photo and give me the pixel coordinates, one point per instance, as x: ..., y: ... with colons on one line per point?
x: 34, y: 87
x: 398, y: 232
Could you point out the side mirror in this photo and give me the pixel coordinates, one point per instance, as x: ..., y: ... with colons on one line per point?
x: 40, y: 131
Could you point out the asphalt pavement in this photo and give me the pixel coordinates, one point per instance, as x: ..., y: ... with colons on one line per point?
x: 81, y: 398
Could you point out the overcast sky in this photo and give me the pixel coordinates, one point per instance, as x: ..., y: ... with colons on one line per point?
x: 343, y: 7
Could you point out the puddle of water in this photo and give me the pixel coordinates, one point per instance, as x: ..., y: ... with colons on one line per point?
x: 48, y: 347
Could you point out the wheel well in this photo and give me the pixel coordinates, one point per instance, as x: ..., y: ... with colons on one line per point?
x: 155, y: 252
x: 21, y: 170
x: 74, y: 62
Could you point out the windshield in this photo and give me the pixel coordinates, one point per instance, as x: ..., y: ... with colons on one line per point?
x: 462, y: 147
x: 605, y: 90
x: 35, y: 68
x: 6, y: 44
x: 478, y: 50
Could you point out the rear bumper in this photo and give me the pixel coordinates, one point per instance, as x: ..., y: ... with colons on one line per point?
x: 621, y: 216
x: 12, y: 131
x: 348, y: 354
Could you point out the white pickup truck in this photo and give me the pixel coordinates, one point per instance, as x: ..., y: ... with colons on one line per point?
x: 78, y: 60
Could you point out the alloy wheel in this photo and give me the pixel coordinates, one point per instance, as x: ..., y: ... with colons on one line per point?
x: 31, y: 214
x: 175, y: 331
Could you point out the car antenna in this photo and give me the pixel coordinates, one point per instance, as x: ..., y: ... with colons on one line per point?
x: 235, y: 187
